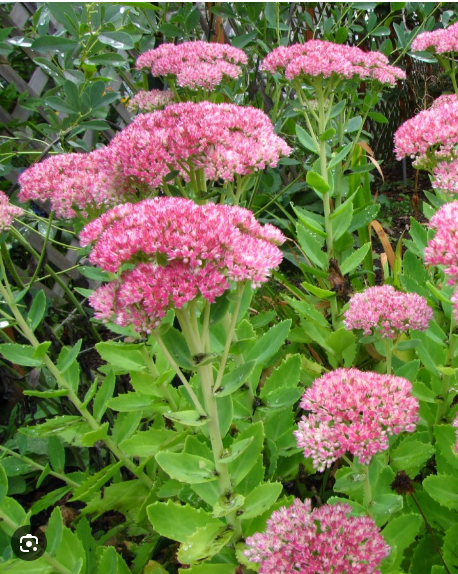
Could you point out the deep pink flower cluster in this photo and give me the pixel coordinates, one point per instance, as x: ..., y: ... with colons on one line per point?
x: 178, y: 250
x: 222, y: 139
x: 74, y: 181
x: 194, y: 64
x: 384, y: 311
x: 325, y: 540
x: 440, y: 41
x: 145, y: 102
x: 7, y: 212
x: 443, y: 248
x: 322, y: 58
x: 354, y: 411
x: 431, y: 131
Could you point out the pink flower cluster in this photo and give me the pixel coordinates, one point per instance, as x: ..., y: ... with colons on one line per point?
x: 443, y: 248
x: 445, y: 176
x: 322, y: 58
x: 74, y: 182
x: 194, y: 64
x: 145, y: 102
x: 178, y: 250
x: 7, y: 212
x: 354, y: 411
x: 384, y: 311
x: 222, y: 139
x: 431, y: 131
x: 440, y: 41
x: 299, y: 540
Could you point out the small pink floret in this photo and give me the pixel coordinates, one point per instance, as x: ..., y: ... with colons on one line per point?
x: 146, y: 102
x: 299, y: 540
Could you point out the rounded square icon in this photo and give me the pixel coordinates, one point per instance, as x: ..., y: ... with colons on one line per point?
x: 28, y: 546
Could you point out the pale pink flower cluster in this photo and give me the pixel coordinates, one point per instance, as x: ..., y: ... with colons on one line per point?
x: 145, y: 102
x: 322, y: 58
x: 429, y: 132
x: 443, y: 248
x: 299, y: 540
x: 445, y: 176
x: 354, y: 411
x: 194, y: 64
x: 74, y: 182
x: 440, y: 41
x: 386, y: 312
x: 224, y: 140
x: 7, y: 212
x: 178, y: 250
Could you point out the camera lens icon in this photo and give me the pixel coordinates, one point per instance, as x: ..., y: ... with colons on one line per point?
x: 28, y: 546
x: 28, y: 543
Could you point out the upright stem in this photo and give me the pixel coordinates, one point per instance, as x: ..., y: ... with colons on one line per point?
x: 326, y: 196
x: 430, y: 530
x: 367, y: 488
x: 197, y: 344
x: 229, y: 337
x: 446, y: 379
x: 180, y: 375
x: 388, y: 354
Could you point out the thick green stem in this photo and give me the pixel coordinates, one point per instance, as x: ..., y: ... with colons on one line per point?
x: 205, y: 372
x: 367, y: 488
x: 388, y: 354
x: 229, y: 337
x: 446, y: 379
x: 180, y: 375
x: 11, y: 267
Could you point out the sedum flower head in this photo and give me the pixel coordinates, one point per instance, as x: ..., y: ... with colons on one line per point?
x: 224, y: 140
x: 439, y: 41
x: 384, y: 311
x: 354, y: 411
x: 443, y: 248
x: 326, y: 540
x: 431, y: 131
x: 74, y: 182
x: 177, y: 250
x: 445, y: 176
x: 7, y: 212
x: 145, y: 102
x: 194, y: 64
x: 326, y: 59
